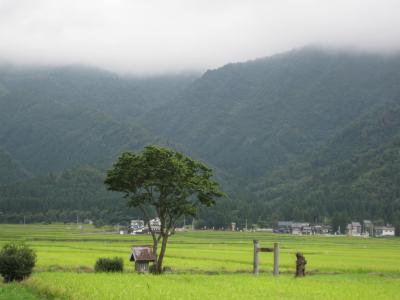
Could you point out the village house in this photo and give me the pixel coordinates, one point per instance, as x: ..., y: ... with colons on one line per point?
x: 354, y: 229
x: 136, y: 227
x: 321, y: 229
x: 284, y: 227
x: 380, y: 231
x: 139, y: 226
x: 298, y: 228
x: 155, y: 225
x: 307, y: 230
x: 368, y: 228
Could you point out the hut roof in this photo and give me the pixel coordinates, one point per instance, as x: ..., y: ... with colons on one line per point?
x: 142, y: 253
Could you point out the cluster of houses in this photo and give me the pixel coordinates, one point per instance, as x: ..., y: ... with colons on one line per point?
x: 140, y: 227
x: 299, y: 228
x: 364, y: 229
x: 367, y: 228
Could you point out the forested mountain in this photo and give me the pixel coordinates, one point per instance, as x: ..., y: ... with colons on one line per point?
x: 248, y: 118
x: 354, y: 175
x: 46, y: 133
x: 121, y: 97
x: 10, y: 170
x: 53, y: 119
x: 48, y: 136
x: 309, y: 135
x: 363, y: 186
x: 63, y: 197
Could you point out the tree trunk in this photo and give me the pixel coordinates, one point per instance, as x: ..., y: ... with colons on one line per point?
x: 162, y: 253
x: 155, y: 246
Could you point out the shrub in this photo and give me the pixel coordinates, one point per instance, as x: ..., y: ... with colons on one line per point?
x: 167, y: 269
x: 98, y: 223
x: 153, y: 269
x: 16, y: 262
x: 115, y: 264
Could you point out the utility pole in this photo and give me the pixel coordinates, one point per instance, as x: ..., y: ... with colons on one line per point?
x: 184, y: 221
x: 192, y: 224
x: 246, y: 224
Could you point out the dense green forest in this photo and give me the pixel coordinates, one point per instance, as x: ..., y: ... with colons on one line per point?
x: 10, y: 170
x: 355, y: 175
x: 247, y: 118
x: 63, y: 197
x: 307, y: 135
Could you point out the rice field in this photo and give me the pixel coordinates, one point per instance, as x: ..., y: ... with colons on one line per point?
x: 206, y: 264
x: 15, y: 291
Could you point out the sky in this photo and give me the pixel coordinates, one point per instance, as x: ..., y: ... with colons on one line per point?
x: 164, y: 36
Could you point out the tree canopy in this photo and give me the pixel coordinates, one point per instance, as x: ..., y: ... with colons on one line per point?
x: 166, y: 183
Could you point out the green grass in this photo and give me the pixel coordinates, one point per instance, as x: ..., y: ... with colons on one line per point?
x: 15, y: 291
x: 209, y: 265
x: 232, y: 286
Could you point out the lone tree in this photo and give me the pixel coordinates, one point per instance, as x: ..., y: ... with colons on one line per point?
x: 165, y: 182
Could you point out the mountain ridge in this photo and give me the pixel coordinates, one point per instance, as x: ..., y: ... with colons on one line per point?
x: 268, y: 127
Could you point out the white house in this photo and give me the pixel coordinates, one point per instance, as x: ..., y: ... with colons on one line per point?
x: 155, y: 225
x: 384, y: 231
x: 137, y: 226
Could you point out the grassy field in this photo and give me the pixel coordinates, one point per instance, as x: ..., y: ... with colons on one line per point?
x: 213, y: 265
x: 16, y: 291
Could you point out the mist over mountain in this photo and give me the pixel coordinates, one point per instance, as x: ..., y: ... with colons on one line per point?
x: 307, y: 134
x: 160, y: 37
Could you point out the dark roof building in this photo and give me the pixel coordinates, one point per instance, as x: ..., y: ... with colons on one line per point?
x: 142, y: 256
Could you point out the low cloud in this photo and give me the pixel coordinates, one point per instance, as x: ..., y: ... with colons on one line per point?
x: 149, y: 36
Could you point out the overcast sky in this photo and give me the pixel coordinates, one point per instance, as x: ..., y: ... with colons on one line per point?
x: 158, y: 36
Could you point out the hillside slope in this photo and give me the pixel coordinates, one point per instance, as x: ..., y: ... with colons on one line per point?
x: 308, y: 135
x: 62, y: 197
x: 355, y: 175
x: 46, y: 135
x: 122, y: 97
x: 248, y: 118
x: 10, y: 170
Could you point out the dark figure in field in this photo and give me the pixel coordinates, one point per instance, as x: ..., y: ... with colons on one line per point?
x: 300, y: 265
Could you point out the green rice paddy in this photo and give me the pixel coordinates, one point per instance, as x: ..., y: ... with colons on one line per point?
x: 208, y: 265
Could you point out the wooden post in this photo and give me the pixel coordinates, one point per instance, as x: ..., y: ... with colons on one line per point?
x: 255, y: 259
x: 276, y: 259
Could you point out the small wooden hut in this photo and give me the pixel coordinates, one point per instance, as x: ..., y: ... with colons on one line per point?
x: 142, y: 256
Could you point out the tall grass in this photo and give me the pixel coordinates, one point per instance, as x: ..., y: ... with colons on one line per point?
x: 86, y: 286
